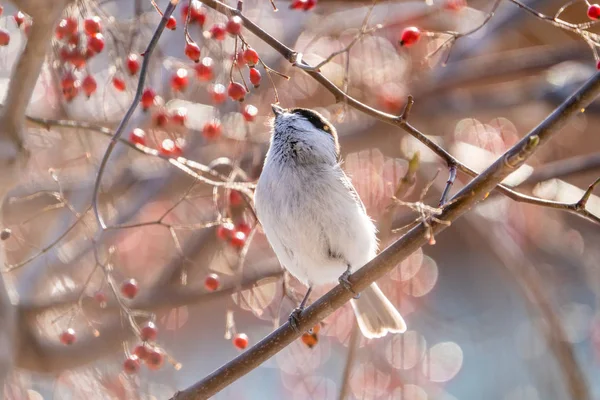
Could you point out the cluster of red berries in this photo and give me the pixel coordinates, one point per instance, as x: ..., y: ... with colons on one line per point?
x: 4, y: 34
x: 22, y: 22
x: 234, y: 234
x: 152, y: 356
x: 305, y: 5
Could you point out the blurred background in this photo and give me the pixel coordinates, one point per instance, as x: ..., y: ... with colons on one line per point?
x: 502, y: 305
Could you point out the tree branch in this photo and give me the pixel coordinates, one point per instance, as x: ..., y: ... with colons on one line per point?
x: 474, y: 192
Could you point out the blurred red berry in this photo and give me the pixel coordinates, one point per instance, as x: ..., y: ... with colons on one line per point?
x: 96, y: 43
x: 234, y: 25
x: 410, y: 36
x: 218, y: 93
x: 155, y: 359
x: 240, y: 341
x: 1, y: 10
x: 251, y: 56
x: 141, y: 351
x: 298, y: 4
x: 236, y: 91
x: 89, y: 85
x: 179, y: 116
x: 225, y: 231
x: 593, y: 11
x: 204, y: 70
x: 131, y: 365
x: 4, y: 37
x: 100, y: 298
x: 148, y: 332
x: 211, y: 282
x: 138, y: 136
x: 192, y: 51
x: 19, y: 18
x: 310, y: 4
x: 238, y: 239
x: 118, y: 83
x: 68, y: 337
x: 212, y: 129
x: 133, y: 63
x: 147, y: 98
x: 129, y: 288
x: 243, y: 227
x: 255, y: 77
x: 217, y: 31
x: 179, y: 81
x: 455, y: 5
x: 171, y: 23
x: 92, y: 25
x: 250, y: 112
x: 235, y: 198
x: 169, y: 148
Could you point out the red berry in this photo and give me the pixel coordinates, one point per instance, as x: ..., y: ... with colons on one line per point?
x: 179, y: 81
x: 238, y: 58
x: 250, y: 112
x: 234, y: 25
x: 138, y: 136
x: 218, y: 31
x: 4, y: 37
x: 192, y: 51
x: 410, y: 36
x: 204, y: 70
x: 147, y: 98
x: 235, y: 198
x: 118, y: 83
x: 211, y: 282
x: 67, y: 81
x: 89, y: 85
x: 141, y: 351
x: 298, y: 4
x: 251, y: 56
x: 238, y: 240
x: 129, y: 288
x: 148, y: 332
x: 212, y: 129
x: 170, y: 148
x: 198, y: 13
x: 1, y: 10
x: 92, y: 25
x: 19, y: 18
x: 131, y: 365
x: 218, y: 93
x: 236, y: 91
x: 69, y: 26
x: 161, y: 118
x: 598, y: 65
x: 96, y: 43
x: 100, y: 298
x: 133, y: 64
x: 593, y: 11
x: 309, y: 5
x: 77, y: 59
x: 155, y: 359
x: 171, y: 23
x: 255, y: 77
x: 73, y: 40
x: 70, y: 87
x: 243, y: 227
x: 68, y: 337
x: 240, y: 341
x: 225, y: 231
x: 455, y: 5
x: 179, y: 116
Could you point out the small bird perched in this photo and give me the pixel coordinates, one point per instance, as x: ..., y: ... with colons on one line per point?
x: 314, y: 219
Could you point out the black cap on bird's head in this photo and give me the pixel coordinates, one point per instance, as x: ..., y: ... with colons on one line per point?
x: 313, y: 117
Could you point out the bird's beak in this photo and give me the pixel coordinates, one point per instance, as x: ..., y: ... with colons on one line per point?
x: 277, y: 110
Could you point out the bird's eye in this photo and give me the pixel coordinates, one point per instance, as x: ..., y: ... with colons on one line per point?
x: 326, y: 128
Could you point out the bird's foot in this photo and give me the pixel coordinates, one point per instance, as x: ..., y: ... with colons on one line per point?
x: 345, y: 282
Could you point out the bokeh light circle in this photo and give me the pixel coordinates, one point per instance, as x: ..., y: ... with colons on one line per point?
x: 442, y: 362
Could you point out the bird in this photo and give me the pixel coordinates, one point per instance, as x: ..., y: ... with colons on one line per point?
x: 314, y: 219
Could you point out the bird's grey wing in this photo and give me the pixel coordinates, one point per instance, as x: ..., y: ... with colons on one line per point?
x: 348, y: 185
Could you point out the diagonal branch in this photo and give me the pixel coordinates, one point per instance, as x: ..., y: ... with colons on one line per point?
x: 474, y: 192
